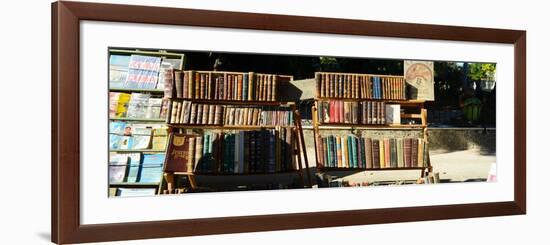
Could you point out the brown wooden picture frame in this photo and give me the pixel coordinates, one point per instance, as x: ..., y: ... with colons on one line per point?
x: 66, y: 227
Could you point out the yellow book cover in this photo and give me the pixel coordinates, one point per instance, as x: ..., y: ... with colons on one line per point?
x: 160, y: 136
x: 122, y: 106
x: 420, y: 153
x: 345, y: 160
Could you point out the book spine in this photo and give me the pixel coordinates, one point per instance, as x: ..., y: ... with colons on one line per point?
x: 251, y: 88
x: 245, y: 87
x: 179, y: 83
x: 414, y: 152
x: 185, y: 85
x: 354, y: 152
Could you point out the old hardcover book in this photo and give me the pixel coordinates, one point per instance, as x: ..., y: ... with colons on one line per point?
x: 218, y: 113
x: 407, y: 152
x: 197, y: 86
x: 199, y: 114
x: 376, y: 153
x: 338, y: 151
x: 198, y: 152
x: 205, y: 113
x: 414, y: 152
x: 354, y: 151
x: 400, y: 161
x: 186, y: 111
x: 393, y: 153
x: 176, y: 112
x: 382, y: 154
x: 368, y: 153
x: 251, y: 85
x: 177, y: 154
x: 191, y: 154
x: 178, y: 79
x: 191, y: 85
x: 387, y: 153
x: 360, y: 152
x: 185, y: 84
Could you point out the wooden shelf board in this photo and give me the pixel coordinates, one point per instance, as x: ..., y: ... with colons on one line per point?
x: 194, y: 126
x: 359, y: 74
x: 403, y: 102
x: 368, y: 169
x: 232, y: 174
x: 155, y: 91
x: 373, y: 126
x: 135, y: 150
x: 138, y: 119
x: 145, y: 52
x: 137, y: 184
x: 237, y: 102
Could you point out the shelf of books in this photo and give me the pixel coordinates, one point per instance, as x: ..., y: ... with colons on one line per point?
x: 139, y: 81
x: 230, y: 124
x: 361, y: 103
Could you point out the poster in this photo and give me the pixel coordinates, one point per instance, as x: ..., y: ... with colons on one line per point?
x: 419, y: 76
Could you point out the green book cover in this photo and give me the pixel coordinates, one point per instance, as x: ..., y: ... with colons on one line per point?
x: 354, y: 152
x: 362, y: 150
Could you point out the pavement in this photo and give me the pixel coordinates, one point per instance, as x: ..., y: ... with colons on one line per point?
x: 452, y: 166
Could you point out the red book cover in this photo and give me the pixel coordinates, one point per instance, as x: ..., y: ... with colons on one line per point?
x: 177, y: 153
x: 332, y: 111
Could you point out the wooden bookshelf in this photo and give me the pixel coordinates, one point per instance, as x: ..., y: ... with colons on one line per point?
x: 170, y: 180
x: 156, y: 93
x: 417, y: 105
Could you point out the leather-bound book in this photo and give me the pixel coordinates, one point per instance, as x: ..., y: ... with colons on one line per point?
x: 177, y: 152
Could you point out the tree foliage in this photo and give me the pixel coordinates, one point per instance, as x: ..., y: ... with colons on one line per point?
x: 479, y: 71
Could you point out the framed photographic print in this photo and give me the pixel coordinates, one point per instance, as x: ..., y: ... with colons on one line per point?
x: 176, y: 122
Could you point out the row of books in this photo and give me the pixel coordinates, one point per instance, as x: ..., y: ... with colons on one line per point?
x: 215, y: 85
x: 358, y: 112
x: 127, y: 136
x: 139, y: 71
x: 358, y: 152
x: 261, y: 151
x: 186, y: 112
x: 262, y: 116
x: 360, y: 86
x: 135, y: 167
x: 136, y: 105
